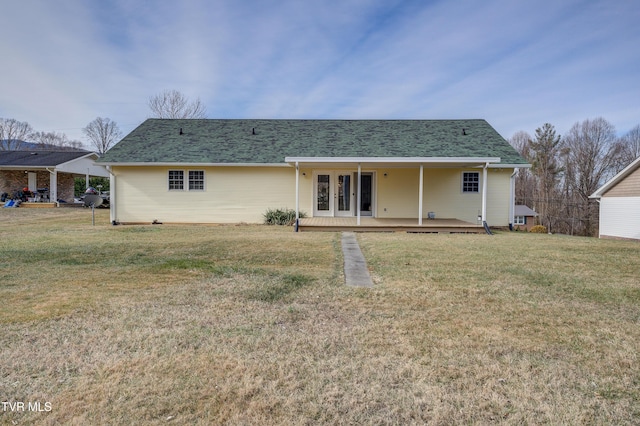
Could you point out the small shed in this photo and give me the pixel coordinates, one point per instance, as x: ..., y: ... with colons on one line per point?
x: 524, y: 218
x: 48, y: 174
x: 619, y: 200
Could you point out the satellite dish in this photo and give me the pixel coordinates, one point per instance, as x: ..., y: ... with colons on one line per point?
x: 92, y: 200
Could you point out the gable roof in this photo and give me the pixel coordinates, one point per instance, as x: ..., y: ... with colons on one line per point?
x: 256, y: 141
x: 616, y: 179
x: 522, y: 210
x: 21, y: 159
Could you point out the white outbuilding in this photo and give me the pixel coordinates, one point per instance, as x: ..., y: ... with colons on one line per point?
x: 619, y: 200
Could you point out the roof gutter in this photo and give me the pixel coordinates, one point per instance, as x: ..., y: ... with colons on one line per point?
x: 395, y: 160
x: 183, y: 165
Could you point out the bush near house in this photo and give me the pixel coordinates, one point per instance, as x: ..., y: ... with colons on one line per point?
x: 97, y: 182
x: 281, y: 217
x: 538, y: 229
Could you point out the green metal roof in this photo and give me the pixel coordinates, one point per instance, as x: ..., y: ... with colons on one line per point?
x: 270, y: 141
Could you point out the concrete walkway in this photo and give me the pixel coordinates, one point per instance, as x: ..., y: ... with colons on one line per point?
x: 355, y: 267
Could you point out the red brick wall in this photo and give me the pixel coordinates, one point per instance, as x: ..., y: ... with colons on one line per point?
x: 14, y: 180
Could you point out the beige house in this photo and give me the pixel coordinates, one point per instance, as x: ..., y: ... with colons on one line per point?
x: 619, y: 200
x: 230, y: 171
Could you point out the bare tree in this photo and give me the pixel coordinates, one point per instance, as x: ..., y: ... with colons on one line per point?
x: 173, y: 104
x: 103, y: 133
x: 525, y: 183
x: 49, y: 140
x: 13, y: 133
x: 592, y: 157
x: 630, y: 146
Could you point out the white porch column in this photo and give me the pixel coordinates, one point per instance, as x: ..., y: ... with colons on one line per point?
x: 53, y: 185
x: 484, y: 193
x: 420, y: 194
x: 359, y: 193
x: 87, y: 180
x: 297, y: 191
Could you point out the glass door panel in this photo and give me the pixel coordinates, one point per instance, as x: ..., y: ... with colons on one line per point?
x: 323, y: 193
x: 344, y: 194
x: 366, y: 194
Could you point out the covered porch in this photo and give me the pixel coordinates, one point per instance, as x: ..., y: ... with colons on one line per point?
x: 43, y: 178
x: 392, y: 194
x: 372, y: 224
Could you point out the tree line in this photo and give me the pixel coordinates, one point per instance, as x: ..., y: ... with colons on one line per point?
x: 101, y: 133
x: 566, y: 170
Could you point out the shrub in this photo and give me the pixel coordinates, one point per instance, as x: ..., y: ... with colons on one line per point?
x: 538, y: 229
x: 281, y: 217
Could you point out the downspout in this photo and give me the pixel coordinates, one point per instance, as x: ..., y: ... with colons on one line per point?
x: 484, y: 199
x: 512, y: 203
x: 112, y: 197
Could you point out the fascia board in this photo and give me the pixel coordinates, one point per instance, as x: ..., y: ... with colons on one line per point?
x: 393, y: 160
x: 173, y: 164
x: 616, y: 179
x: 89, y: 154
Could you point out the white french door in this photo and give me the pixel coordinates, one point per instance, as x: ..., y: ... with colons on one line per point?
x: 323, y: 194
x: 335, y: 193
x: 344, y: 194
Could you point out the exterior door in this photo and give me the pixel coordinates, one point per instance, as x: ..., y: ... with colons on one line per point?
x: 335, y: 194
x: 323, y: 195
x: 366, y: 194
x: 33, y: 181
x: 344, y: 194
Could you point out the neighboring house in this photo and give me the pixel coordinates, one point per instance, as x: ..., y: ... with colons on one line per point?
x: 229, y: 171
x: 619, y: 201
x: 524, y: 218
x: 50, y: 174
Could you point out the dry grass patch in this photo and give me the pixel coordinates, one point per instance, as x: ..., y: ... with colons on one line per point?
x: 252, y: 324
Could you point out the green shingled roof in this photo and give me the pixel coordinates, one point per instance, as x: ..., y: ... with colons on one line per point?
x: 270, y: 141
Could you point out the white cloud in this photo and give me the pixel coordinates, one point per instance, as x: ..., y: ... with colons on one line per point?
x: 516, y: 64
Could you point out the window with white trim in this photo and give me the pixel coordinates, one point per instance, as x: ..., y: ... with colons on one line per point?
x: 519, y: 220
x: 470, y: 182
x: 176, y: 180
x: 196, y: 180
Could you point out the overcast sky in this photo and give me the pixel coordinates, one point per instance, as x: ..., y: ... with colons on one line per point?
x: 517, y: 64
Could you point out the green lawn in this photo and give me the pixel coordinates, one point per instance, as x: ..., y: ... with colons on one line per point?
x: 254, y: 325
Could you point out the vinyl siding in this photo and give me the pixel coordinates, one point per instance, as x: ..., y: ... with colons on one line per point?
x: 242, y: 194
x: 498, y: 196
x: 231, y: 194
x: 620, y: 217
x: 443, y: 195
x: 628, y: 187
x: 398, y: 193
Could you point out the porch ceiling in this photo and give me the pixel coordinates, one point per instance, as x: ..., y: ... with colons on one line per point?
x: 389, y: 162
